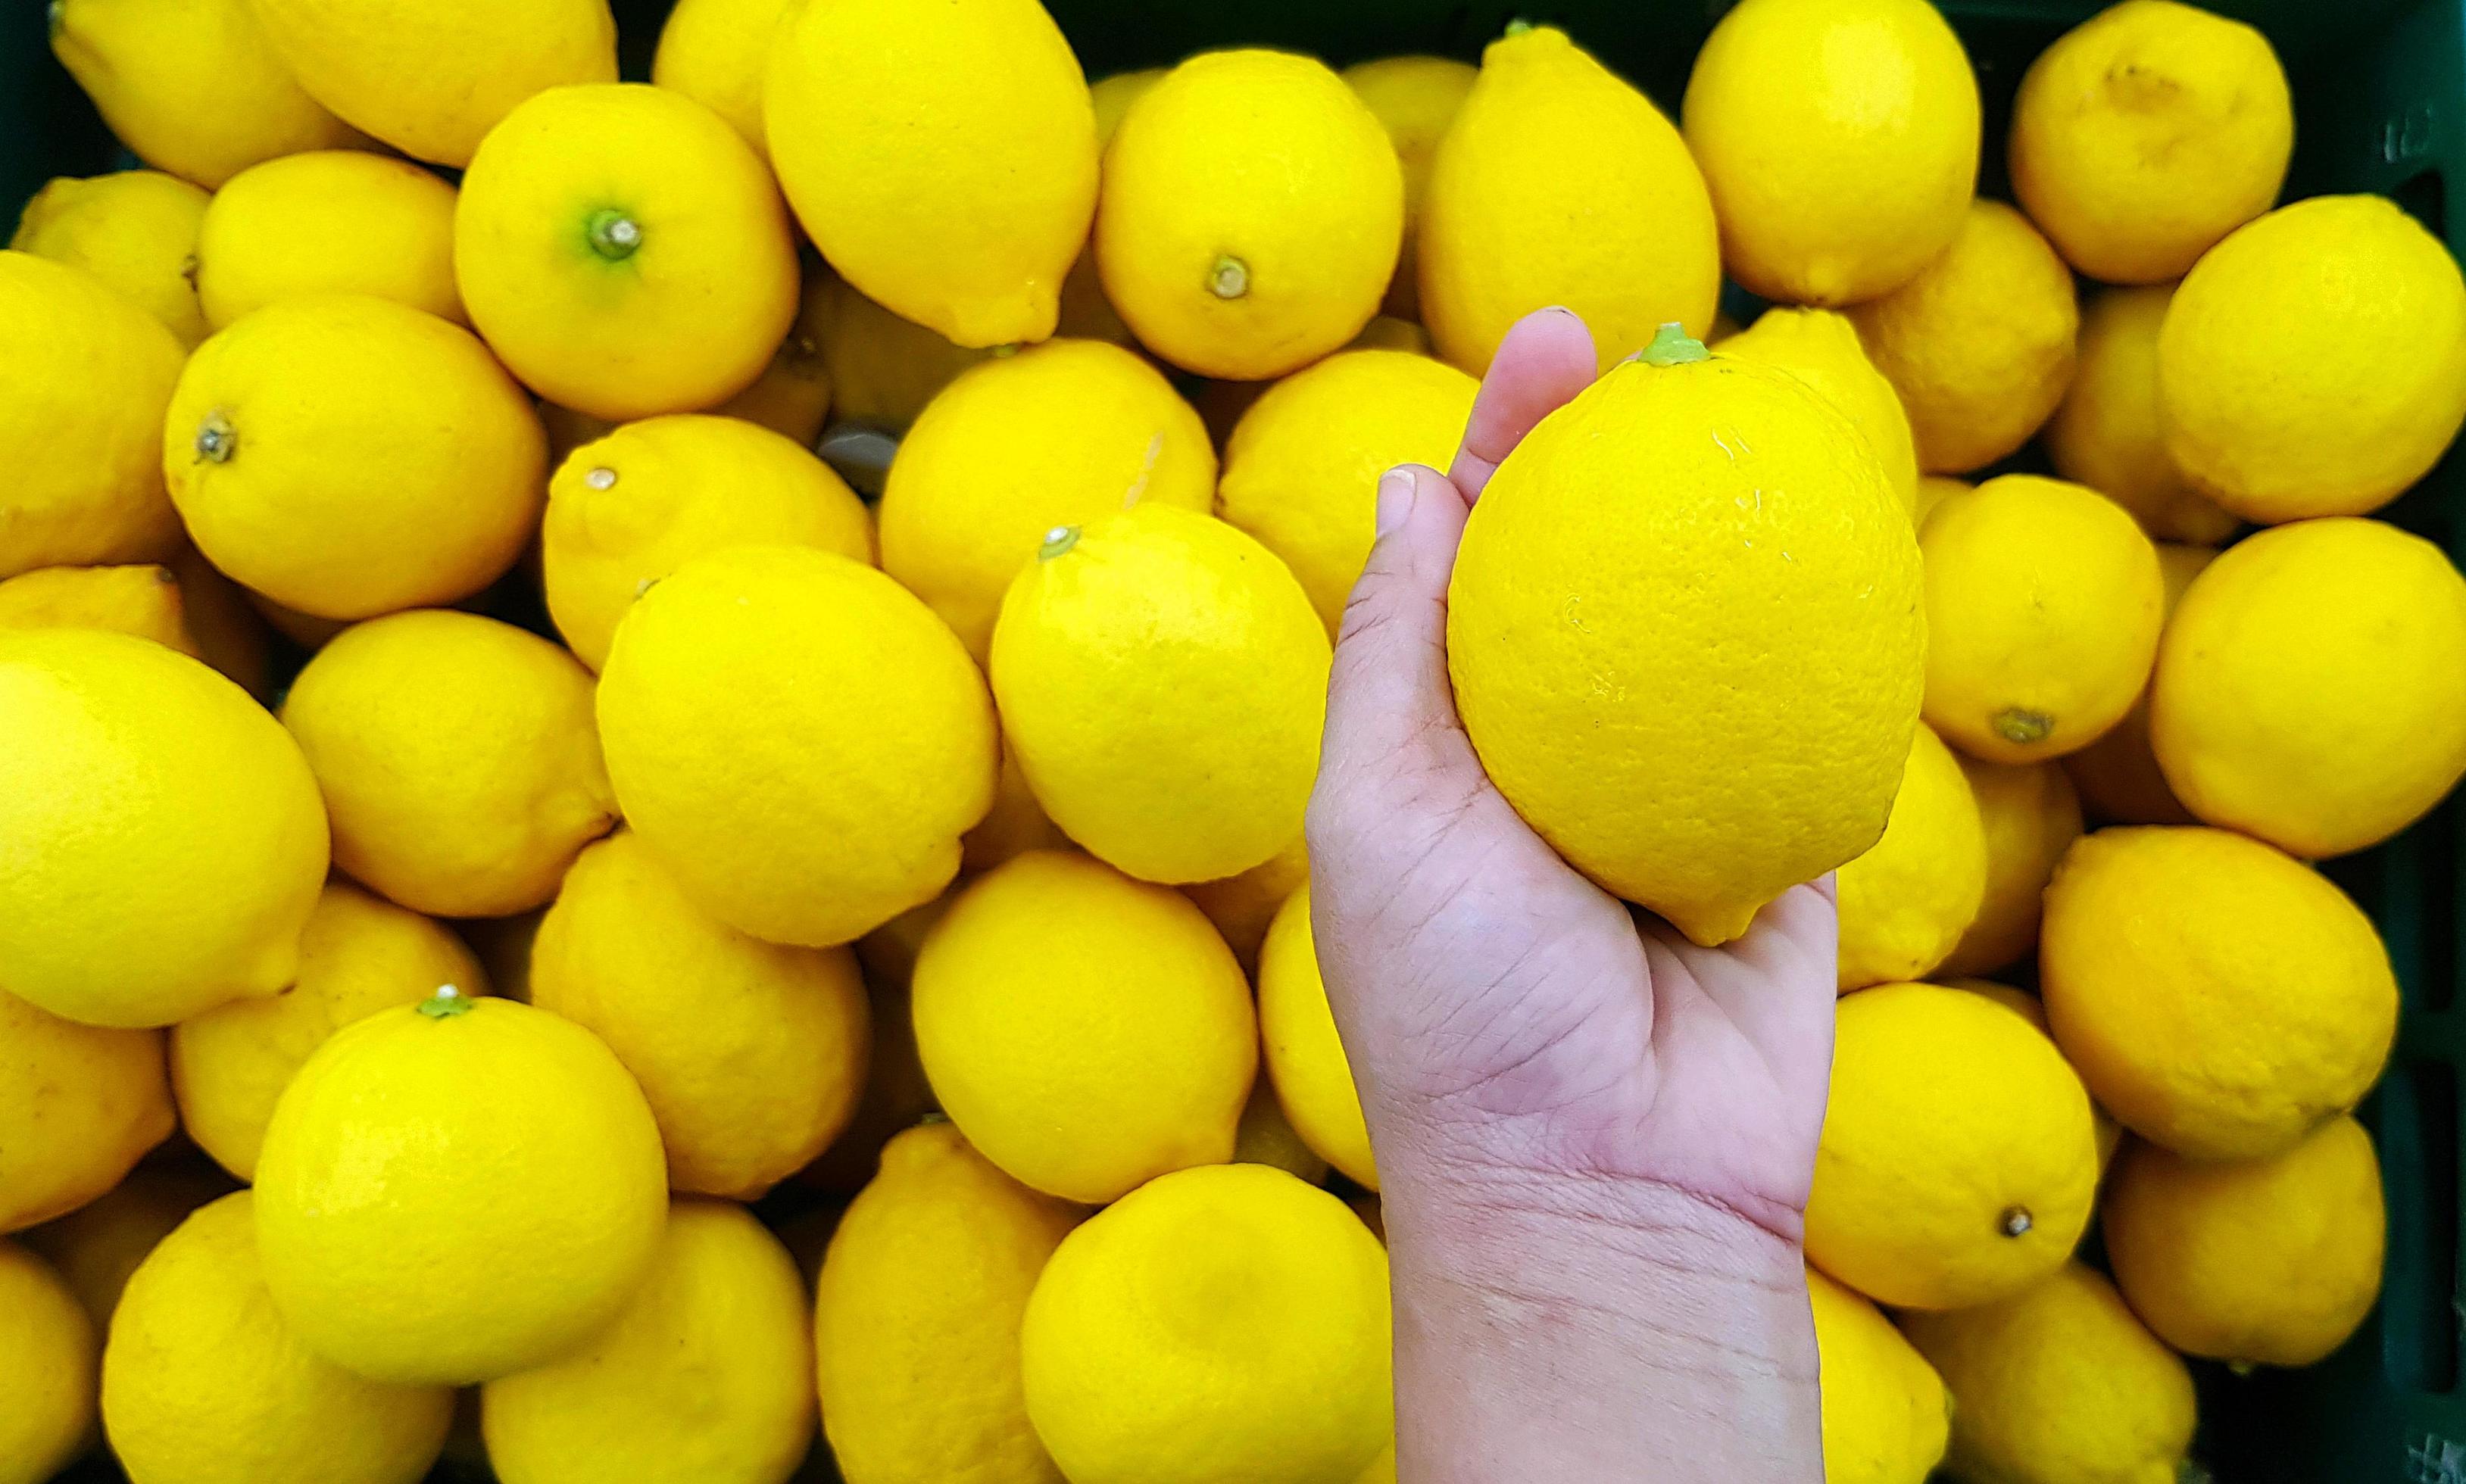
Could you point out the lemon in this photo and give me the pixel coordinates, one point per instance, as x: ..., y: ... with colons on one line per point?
x: 2312, y: 687
x: 1909, y: 899
x: 1265, y: 1136
x: 227, y: 631
x: 98, y: 1245
x: 1111, y: 97
x: 143, y: 601
x: 1820, y: 348
x: 624, y: 253
x: 704, y: 1378
x: 166, y: 841
x: 2031, y: 816
x: 2107, y: 435
x: 716, y: 52
x: 1059, y: 434
x: 1577, y: 614
x: 894, y: 1095
x: 916, y: 1319
x: 1980, y: 344
x: 349, y: 456
x: 1304, y: 1058
x: 2219, y: 998
x: 1241, y: 906
x: 433, y: 80
x: 1087, y: 1031
x: 1087, y: 314
x: 47, y: 1361
x: 458, y: 760
x: 79, y: 1105
x: 1560, y: 184
x: 1016, y: 823
x: 203, y: 1383
x: 1162, y: 679
x: 942, y: 156
x: 1252, y: 212
x: 329, y: 221
x: 478, y: 1138
x: 2314, y: 363
x: 1958, y: 1157
x: 1219, y: 1324
x: 837, y: 804
x: 192, y: 86
x: 2272, y: 1261
x: 1885, y: 1411
x: 84, y: 374
x: 625, y: 511
x: 2044, y: 602
x: 883, y: 368
x: 2057, y: 1384
x: 2145, y: 134
x: 751, y: 1054
x: 792, y: 397
x: 1934, y: 489
x: 1840, y: 141
x: 2117, y: 775
x: 135, y: 231
x: 1415, y: 99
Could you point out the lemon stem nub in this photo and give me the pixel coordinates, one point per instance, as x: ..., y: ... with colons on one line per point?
x: 1519, y: 26
x: 2016, y: 1222
x: 1672, y: 345
x: 57, y: 16
x: 613, y: 234
x: 1057, y: 541
x: 218, y: 440
x: 447, y: 1002
x: 1229, y: 278
x: 2023, y: 728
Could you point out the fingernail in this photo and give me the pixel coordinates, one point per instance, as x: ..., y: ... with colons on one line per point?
x: 1394, y: 501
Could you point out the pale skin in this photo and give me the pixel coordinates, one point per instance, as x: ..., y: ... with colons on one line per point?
x: 1594, y: 1137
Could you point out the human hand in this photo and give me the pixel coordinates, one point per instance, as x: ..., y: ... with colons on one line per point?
x: 1595, y: 1138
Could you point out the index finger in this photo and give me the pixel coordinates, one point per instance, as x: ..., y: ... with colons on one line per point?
x: 1542, y: 362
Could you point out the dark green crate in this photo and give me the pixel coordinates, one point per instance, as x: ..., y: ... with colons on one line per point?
x: 2381, y: 107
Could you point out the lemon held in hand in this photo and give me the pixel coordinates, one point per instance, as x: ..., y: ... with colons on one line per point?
x: 1583, y: 626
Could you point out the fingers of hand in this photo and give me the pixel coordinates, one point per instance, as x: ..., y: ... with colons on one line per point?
x: 1545, y: 358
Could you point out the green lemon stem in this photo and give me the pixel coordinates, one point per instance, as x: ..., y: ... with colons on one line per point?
x: 1229, y: 278
x: 218, y: 440
x: 1672, y: 345
x: 446, y: 1002
x: 1057, y: 541
x: 1519, y: 26
x: 2021, y: 729
x: 613, y: 235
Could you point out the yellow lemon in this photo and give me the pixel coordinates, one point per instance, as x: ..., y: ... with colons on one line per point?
x: 792, y: 397
x: 145, y: 601
x: 750, y: 1053
x: 625, y: 511
x: 1560, y: 184
x: 1934, y: 489
x: 136, y: 231
x: 2057, y: 1384
x: 433, y: 80
x: 47, y: 1360
x: 1820, y: 348
x: 1087, y: 314
x: 1578, y: 612
x: 704, y: 1378
x: 623, y: 252
x: 1111, y: 97
x: 474, y: 1137
x: 1216, y: 1324
x: 1162, y: 678
x: 943, y: 157
x: 84, y: 375
x: 192, y: 86
x: 716, y: 52
x: 227, y: 631
x: 916, y: 1319
x: 347, y: 456
x: 2310, y: 689
x: 1241, y: 906
x: 458, y: 759
x: 1885, y: 1410
x: 2314, y: 363
x: 837, y: 804
x: 1840, y: 141
x: 99, y: 1244
x: 1016, y: 823
x: 896, y: 1094
x: 1415, y: 98
x: 1980, y: 344
x: 1087, y: 1031
x: 1958, y: 1157
x: 1302, y: 468
x: 882, y: 369
x: 1059, y: 434
x: 2117, y: 775
x: 1313, y: 1080
x: 1265, y: 1136
x: 2043, y: 603
x: 1251, y: 216
x: 329, y: 221
x: 203, y: 1383
x: 166, y: 841
x: 2031, y: 816
x: 79, y: 1105
x: 2107, y: 434
x: 2145, y: 134
x: 2219, y: 998
x: 1907, y: 900
x: 2272, y: 1261
x: 359, y: 955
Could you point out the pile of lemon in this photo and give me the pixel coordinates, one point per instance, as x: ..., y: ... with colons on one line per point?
x: 938, y: 846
